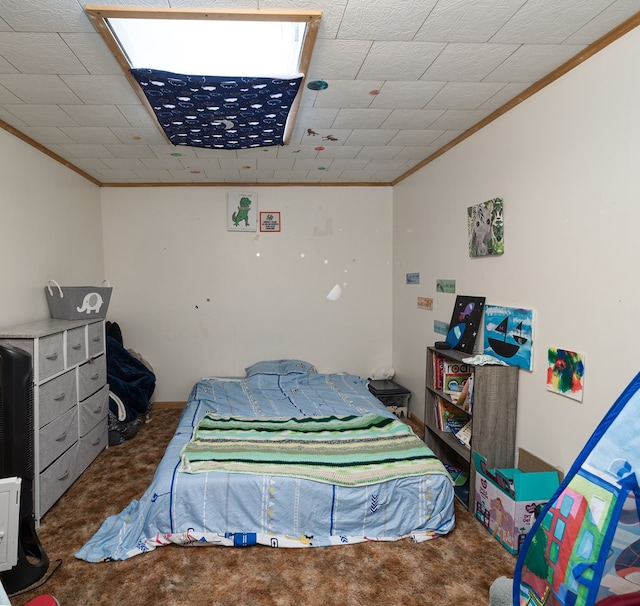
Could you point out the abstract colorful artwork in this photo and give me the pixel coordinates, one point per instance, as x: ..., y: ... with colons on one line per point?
x: 508, y: 335
x: 565, y: 373
x: 465, y: 323
x: 486, y: 228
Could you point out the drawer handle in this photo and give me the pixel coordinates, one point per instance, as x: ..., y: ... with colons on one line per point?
x: 53, y: 356
x: 61, y: 397
x: 77, y: 347
x: 64, y: 476
x: 62, y: 438
x: 98, y: 410
x: 96, y: 339
x: 95, y: 377
x: 96, y: 442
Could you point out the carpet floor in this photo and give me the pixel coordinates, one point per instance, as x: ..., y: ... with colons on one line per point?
x: 457, y: 569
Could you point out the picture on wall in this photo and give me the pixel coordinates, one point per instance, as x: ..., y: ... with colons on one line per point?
x: 508, y: 335
x: 465, y: 323
x: 486, y: 228
x: 242, y: 211
x: 565, y: 373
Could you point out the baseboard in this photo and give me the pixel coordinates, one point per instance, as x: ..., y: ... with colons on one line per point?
x: 172, y: 405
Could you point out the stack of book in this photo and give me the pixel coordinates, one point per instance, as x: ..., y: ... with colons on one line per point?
x: 449, y: 418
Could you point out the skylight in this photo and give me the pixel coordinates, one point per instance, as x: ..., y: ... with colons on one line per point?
x: 242, y: 69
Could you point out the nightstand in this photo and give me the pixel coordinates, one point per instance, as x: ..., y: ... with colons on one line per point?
x: 392, y: 395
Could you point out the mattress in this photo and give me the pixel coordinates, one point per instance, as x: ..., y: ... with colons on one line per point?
x: 228, y: 508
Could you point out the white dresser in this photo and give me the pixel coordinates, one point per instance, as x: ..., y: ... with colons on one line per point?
x: 70, y: 400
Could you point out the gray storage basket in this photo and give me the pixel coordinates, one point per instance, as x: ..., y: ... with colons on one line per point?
x: 77, y: 302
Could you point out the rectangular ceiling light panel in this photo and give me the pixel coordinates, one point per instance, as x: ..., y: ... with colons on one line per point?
x: 218, y: 79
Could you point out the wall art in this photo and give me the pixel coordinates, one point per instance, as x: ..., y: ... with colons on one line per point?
x: 242, y: 211
x: 508, y: 335
x: 485, y: 225
x: 565, y: 373
x: 465, y: 323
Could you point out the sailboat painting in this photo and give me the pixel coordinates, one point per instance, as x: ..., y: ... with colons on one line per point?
x: 508, y: 335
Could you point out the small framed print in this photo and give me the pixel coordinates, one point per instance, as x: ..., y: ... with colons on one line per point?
x: 269, y: 221
x: 242, y: 211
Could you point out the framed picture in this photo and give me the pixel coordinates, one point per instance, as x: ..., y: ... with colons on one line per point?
x: 242, y: 211
x: 508, y: 335
x: 486, y: 228
x: 269, y: 221
x: 466, y: 320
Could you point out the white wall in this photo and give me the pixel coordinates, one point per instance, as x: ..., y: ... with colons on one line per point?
x: 196, y: 299
x: 50, y: 227
x: 566, y: 163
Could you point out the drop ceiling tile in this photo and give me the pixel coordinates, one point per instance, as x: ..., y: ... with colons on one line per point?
x: 96, y: 115
x: 101, y: 90
x: 45, y: 16
x: 455, y: 21
x: 354, y: 163
x: 4, y: 26
x: 342, y: 152
x: 399, y: 60
x: 173, y: 152
x: 292, y: 176
x: 531, y: 62
x: 90, y: 134
x: 376, y: 136
x: 162, y: 163
x: 386, y: 152
x: 332, y: 11
x: 410, y: 119
x: 122, y: 150
x: 124, y: 163
x: 81, y: 150
x: 275, y: 164
x: 356, y: 176
x: 11, y: 119
x: 236, y: 163
x: 137, y: 115
x: 415, y: 137
x: 547, y: 21
x: 380, y: 20
x: 115, y: 176
x: 464, y: 95
x: 459, y: 119
x: 89, y: 165
x: 360, y: 118
x: 7, y: 97
x: 6, y: 67
x: 414, y: 153
x: 462, y: 62
x: 338, y: 59
x: 138, y: 136
x: 604, y: 22
x: 348, y: 93
x: 93, y: 52
x: 53, y: 56
x: 47, y: 135
x: 505, y: 94
x: 405, y: 94
x: 329, y: 137
x: 152, y: 175
x: 41, y: 115
x: 187, y: 176
x: 316, y: 118
x: 35, y: 89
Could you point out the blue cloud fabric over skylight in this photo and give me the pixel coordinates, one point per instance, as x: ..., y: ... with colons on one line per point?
x: 219, y: 112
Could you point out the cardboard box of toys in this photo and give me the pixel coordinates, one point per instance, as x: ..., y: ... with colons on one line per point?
x: 506, y: 500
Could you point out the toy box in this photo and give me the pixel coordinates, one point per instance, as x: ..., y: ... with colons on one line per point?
x: 506, y: 500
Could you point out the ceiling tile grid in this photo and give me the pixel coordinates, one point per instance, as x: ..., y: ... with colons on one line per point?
x: 404, y: 78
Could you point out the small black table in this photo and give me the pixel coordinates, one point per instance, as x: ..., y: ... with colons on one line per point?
x: 392, y: 395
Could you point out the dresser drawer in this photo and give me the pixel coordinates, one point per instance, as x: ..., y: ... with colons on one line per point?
x: 91, y: 377
x: 93, y: 410
x: 58, y: 477
x: 76, y: 346
x: 58, y: 436
x: 51, y: 356
x: 91, y: 445
x: 96, y: 338
x: 57, y: 396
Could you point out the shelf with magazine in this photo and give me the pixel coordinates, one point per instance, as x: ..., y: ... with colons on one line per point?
x: 469, y: 407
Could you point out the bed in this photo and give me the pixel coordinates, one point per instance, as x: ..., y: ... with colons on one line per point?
x: 371, y: 478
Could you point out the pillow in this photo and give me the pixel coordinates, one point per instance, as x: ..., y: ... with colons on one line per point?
x: 280, y: 367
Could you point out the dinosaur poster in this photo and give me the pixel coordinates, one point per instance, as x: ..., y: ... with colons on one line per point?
x: 242, y: 211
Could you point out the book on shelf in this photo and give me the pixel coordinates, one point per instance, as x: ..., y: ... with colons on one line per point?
x: 464, y: 434
x: 464, y: 399
x: 449, y: 418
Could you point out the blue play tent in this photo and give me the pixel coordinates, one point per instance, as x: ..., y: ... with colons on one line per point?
x: 584, y: 547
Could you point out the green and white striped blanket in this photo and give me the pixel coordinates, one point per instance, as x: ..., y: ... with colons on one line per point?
x: 346, y: 451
